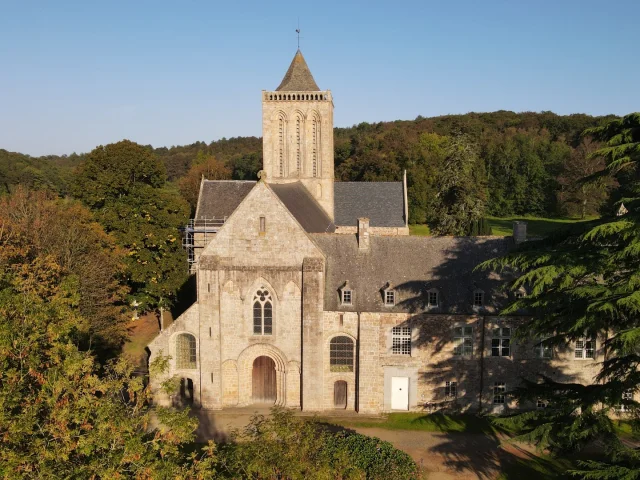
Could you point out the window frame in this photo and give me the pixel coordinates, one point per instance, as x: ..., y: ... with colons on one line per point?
x: 483, y: 299
x: 584, y: 349
x: 451, y: 389
x: 621, y: 407
x: 261, y: 304
x: 436, y: 293
x: 401, y: 340
x: 501, y: 342
x: 343, y: 293
x: 499, y: 390
x: 461, y: 348
x: 183, y: 363
x: 389, y: 293
x: 338, y: 361
x: 539, y: 349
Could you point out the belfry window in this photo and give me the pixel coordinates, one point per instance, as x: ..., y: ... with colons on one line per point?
x: 298, y: 146
x: 281, y: 146
x: 262, y: 312
x: 185, y: 351
x: 314, y: 147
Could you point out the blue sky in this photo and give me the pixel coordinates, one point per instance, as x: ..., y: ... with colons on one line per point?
x: 74, y: 75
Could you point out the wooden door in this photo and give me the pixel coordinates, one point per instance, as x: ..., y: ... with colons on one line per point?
x: 264, y: 380
x: 340, y: 394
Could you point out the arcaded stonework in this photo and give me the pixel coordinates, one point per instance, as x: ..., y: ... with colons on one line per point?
x: 288, y: 313
x: 297, y: 141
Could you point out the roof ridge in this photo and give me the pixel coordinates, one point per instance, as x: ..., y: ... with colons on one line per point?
x: 231, y: 181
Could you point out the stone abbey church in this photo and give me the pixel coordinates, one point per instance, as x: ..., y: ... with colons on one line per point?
x: 312, y: 295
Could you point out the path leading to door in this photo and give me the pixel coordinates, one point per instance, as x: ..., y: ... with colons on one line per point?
x: 445, y: 456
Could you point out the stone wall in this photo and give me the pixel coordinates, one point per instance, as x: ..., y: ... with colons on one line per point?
x: 321, y: 185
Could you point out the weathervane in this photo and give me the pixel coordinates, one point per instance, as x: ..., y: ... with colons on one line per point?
x: 298, y: 32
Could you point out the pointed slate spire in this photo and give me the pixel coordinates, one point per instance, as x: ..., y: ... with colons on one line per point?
x: 298, y: 78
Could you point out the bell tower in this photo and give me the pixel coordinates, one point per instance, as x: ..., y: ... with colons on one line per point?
x: 297, y: 133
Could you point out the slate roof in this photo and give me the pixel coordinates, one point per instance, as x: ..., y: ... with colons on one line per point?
x: 220, y: 198
x: 298, y: 78
x: 381, y: 202
x: 412, y: 266
x: 306, y: 210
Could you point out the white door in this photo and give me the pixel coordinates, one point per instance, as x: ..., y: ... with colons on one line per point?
x: 399, y: 393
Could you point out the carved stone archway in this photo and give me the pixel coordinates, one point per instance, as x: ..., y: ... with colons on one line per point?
x: 245, y: 370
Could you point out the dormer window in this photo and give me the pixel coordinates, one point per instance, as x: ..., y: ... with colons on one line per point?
x: 521, y: 293
x: 347, y: 298
x: 389, y: 295
x: 432, y: 298
x: 346, y: 294
x: 478, y: 298
x: 390, y: 298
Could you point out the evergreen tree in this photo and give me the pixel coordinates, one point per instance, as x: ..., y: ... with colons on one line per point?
x: 461, y: 184
x: 585, y: 282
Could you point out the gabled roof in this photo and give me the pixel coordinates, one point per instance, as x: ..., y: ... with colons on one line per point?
x: 412, y: 266
x: 219, y: 198
x: 306, y: 210
x: 298, y: 78
x: 381, y: 202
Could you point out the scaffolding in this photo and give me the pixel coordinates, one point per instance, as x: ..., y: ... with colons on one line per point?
x: 196, y: 235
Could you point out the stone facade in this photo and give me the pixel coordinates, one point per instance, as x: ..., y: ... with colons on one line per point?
x: 297, y: 141
x: 270, y: 293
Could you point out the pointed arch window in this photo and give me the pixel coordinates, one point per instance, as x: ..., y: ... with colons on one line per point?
x: 185, y: 351
x: 298, y: 144
x: 281, y: 134
x: 262, y: 312
x: 315, y: 142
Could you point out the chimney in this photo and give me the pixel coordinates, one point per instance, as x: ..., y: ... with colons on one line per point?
x: 520, y: 232
x: 363, y: 234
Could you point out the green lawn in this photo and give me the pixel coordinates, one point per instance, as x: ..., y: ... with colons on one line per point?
x: 434, y: 422
x: 625, y: 430
x: 422, y: 230
x: 539, y: 467
x: 536, y: 226
x: 503, y: 226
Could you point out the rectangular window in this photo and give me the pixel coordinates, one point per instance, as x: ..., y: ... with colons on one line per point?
x: 463, y: 341
x: 478, y: 299
x: 346, y: 297
x: 628, y: 395
x: 433, y: 299
x: 585, y: 348
x: 389, y: 298
x: 542, y: 349
x: 499, y: 389
x: 451, y: 389
x: 541, y: 403
x: 401, y: 340
x: 501, y: 342
x: 263, y: 225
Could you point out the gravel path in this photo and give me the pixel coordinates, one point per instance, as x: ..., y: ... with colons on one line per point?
x: 444, y: 456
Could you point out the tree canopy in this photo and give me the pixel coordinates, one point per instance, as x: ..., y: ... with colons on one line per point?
x: 585, y: 282
x: 124, y: 184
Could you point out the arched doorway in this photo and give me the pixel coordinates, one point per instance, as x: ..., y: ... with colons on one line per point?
x: 263, y: 384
